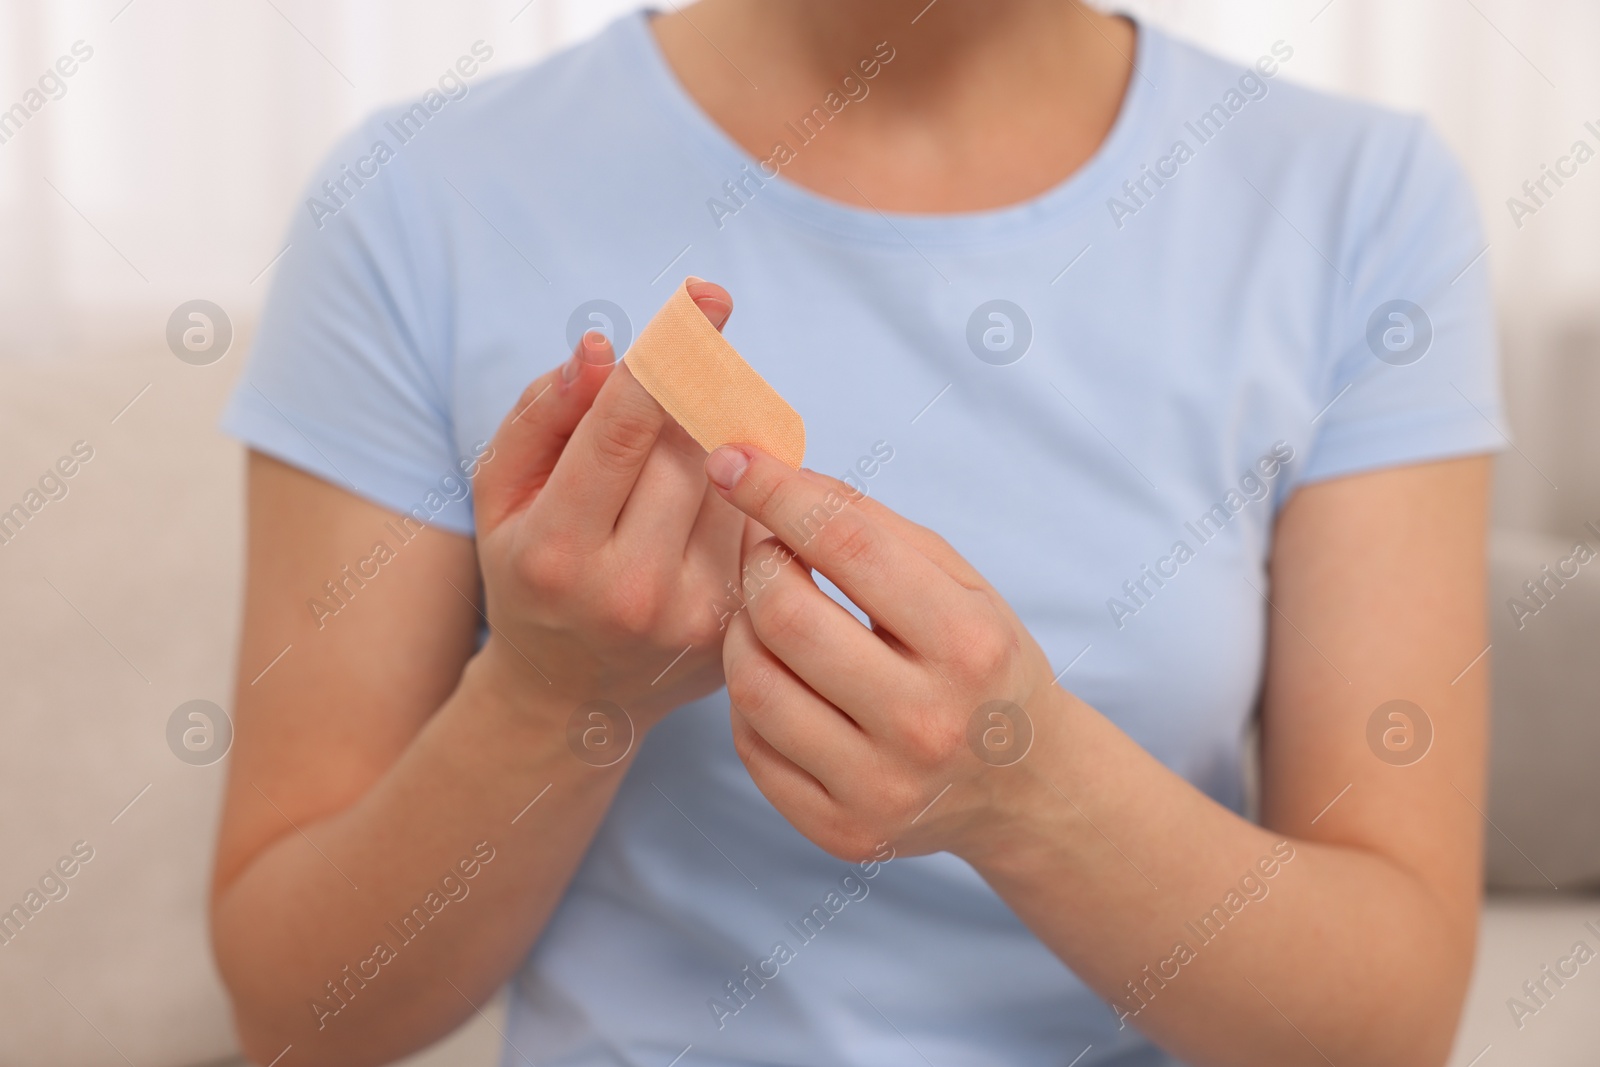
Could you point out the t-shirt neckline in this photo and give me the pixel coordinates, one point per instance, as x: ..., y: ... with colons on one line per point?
x: 724, y: 158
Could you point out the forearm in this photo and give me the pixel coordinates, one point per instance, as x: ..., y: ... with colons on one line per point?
x: 298, y: 933
x: 1122, y: 881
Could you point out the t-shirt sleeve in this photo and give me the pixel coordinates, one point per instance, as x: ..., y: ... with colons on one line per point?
x: 1414, y: 373
x: 348, y: 377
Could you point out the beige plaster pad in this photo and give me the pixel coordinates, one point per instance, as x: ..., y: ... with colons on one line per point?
x: 703, y: 382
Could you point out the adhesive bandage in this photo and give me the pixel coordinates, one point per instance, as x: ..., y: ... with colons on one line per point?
x: 703, y: 382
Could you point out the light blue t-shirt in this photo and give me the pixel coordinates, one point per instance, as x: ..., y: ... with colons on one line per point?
x: 1250, y: 287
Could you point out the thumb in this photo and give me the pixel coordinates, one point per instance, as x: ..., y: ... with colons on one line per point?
x: 535, y: 431
x: 712, y: 300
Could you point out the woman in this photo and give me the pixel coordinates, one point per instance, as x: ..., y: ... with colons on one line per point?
x: 1149, y: 394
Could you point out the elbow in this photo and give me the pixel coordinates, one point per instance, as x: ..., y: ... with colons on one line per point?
x: 268, y: 1023
x: 1427, y: 1044
x: 264, y: 1037
x: 265, y: 1021
x: 275, y: 1007
x: 257, y: 1046
x: 1426, y: 968
x: 262, y: 1033
x: 1423, y: 1024
x: 261, y: 1022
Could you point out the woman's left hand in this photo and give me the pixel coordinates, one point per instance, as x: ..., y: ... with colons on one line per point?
x: 913, y: 731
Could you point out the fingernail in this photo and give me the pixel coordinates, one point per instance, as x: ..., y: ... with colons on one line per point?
x: 726, y: 466
x: 716, y: 311
x: 570, y: 369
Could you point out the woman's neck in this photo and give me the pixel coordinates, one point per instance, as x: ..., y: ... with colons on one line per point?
x: 984, y: 103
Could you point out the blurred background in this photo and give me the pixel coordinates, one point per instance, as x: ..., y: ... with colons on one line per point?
x: 163, y: 169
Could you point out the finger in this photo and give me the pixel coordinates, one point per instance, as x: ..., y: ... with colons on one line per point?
x: 824, y: 645
x: 716, y: 541
x: 790, y: 716
x: 815, y: 516
x: 754, y: 532
x: 711, y: 560
x: 661, y: 510
x: 789, y: 788
x: 535, y: 430
x: 751, y: 534
x: 597, y: 470
x: 606, y: 452
x: 925, y: 541
x: 672, y: 487
x: 712, y: 300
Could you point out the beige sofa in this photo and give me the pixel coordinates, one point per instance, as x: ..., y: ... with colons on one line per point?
x: 121, y: 603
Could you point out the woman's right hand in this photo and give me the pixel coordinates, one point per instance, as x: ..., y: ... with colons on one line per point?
x: 605, y: 553
x: 382, y: 749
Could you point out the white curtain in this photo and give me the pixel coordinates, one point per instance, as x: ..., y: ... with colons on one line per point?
x: 1510, y: 83
x: 166, y: 168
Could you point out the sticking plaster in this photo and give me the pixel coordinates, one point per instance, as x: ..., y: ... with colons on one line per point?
x: 703, y: 382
